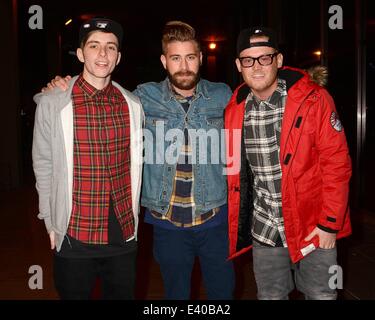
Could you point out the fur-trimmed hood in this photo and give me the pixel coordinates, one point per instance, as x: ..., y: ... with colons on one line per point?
x: 319, y: 74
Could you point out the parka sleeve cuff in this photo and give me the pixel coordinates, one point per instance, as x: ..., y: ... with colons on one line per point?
x: 326, y: 229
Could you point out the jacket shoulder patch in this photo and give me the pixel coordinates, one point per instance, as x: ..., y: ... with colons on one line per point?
x: 335, y: 122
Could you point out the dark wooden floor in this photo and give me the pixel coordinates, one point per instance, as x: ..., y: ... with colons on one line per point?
x: 24, y: 243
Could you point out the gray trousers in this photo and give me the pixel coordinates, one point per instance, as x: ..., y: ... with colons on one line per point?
x: 274, y: 270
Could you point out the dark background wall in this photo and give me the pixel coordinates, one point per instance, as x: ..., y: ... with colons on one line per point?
x: 10, y: 164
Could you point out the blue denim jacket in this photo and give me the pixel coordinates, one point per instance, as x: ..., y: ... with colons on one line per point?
x: 165, y: 121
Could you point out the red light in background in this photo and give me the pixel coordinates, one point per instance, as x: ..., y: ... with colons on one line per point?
x: 212, y: 45
x: 318, y: 53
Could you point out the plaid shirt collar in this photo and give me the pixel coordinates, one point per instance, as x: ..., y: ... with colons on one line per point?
x: 272, y: 100
x: 91, y: 92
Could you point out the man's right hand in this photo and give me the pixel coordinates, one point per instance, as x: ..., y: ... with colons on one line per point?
x: 62, y: 83
x: 52, y: 239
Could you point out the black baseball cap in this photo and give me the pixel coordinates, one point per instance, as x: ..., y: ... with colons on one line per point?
x: 243, y: 40
x: 102, y: 24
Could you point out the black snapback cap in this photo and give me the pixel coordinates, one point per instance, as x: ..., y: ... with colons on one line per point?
x: 101, y: 24
x: 243, y: 40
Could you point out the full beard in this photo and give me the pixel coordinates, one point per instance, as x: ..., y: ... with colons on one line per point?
x: 186, y: 83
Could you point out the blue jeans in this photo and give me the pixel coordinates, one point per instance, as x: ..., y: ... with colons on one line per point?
x: 175, y: 251
x: 274, y: 278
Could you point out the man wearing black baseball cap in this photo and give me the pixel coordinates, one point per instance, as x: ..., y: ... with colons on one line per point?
x: 289, y: 199
x: 100, y: 24
x: 87, y: 159
x: 262, y: 44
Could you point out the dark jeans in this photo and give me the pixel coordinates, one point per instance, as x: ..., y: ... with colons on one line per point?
x: 274, y: 278
x: 75, y: 277
x: 175, y: 251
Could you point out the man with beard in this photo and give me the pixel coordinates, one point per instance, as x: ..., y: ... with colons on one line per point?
x: 184, y: 195
x: 184, y: 189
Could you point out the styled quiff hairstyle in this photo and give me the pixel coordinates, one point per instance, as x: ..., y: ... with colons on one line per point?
x: 177, y: 31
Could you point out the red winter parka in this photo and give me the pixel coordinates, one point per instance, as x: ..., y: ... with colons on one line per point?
x: 315, y: 164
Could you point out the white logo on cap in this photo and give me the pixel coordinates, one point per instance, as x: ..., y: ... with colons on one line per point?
x: 101, y: 25
x: 258, y: 31
x: 87, y: 25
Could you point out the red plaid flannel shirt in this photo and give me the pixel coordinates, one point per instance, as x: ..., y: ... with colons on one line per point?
x: 101, y: 163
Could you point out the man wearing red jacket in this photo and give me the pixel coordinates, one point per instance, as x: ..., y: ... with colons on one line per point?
x: 288, y: 173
